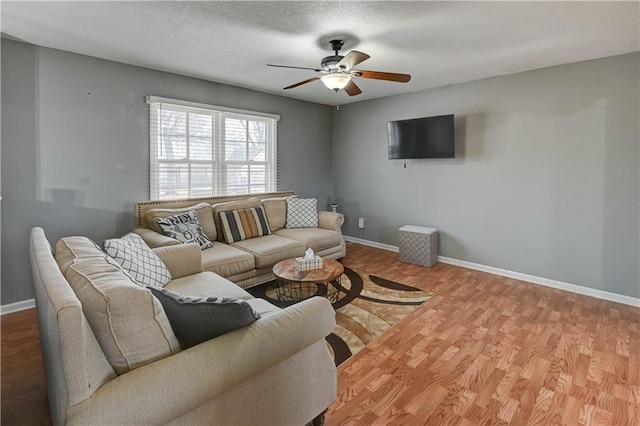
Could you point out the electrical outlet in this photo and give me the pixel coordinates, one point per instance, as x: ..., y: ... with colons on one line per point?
x: 361, y: 223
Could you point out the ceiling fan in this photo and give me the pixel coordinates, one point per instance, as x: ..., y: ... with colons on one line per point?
x: 338, y: 71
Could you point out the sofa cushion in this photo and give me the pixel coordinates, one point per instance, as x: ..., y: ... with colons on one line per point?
x: 276, y: 211
x: 203, y: 210
x: 185, y: 227
x: 70, y: 249
x: 138, y: 260
x: 227, y: 261
x: 197, y: 319
x: 262, y: 307
x: 317, y: 239
x: 302, y: 213
x: 238, y: 225
x: 271, y: 249
x: 232, y: 205
x: 207, y: 284
x: 128, y: 322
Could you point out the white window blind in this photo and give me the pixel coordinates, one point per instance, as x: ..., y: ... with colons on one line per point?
x: 199, y: 150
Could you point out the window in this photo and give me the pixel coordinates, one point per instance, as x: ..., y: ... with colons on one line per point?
x: 199, y: 150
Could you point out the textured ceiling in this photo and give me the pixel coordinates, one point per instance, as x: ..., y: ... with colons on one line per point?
x: 438, y: 43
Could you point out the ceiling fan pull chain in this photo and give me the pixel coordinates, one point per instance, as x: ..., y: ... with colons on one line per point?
x: 337, y: 100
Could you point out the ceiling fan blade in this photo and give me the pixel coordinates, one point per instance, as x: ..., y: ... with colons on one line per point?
x: 352, y: 88
x: 379, y: 75
x: 302, y: 82
x: 352, y: 59
x: 297, y: 68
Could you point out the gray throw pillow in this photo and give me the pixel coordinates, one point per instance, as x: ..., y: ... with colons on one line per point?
x: 197, y: 319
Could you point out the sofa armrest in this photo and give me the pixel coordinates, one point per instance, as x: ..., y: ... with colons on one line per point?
x: 330, y: 220
x: 181, y: 260
x: 169, y: 388
x: 153, y: 239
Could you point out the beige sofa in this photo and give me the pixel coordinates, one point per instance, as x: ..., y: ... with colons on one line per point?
x: 276, y: 370
x: 247, y: 263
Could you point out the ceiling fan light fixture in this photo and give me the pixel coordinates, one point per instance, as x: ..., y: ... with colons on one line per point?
x: 336, y: 80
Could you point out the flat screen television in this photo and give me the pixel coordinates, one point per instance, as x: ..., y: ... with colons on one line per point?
x: 427, y: 137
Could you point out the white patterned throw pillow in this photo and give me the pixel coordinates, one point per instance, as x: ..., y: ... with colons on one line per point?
x: 185, y: 227
x: 302, y: 213
x: 138, y: 260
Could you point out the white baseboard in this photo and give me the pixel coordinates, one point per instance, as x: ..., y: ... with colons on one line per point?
x: 370, y: 243
x: 17, y: 306
x: 560, y: 285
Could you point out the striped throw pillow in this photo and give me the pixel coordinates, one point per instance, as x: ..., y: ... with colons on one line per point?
x: 238, y: 225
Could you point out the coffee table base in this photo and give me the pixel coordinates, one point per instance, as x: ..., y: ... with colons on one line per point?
x: 296, y: 291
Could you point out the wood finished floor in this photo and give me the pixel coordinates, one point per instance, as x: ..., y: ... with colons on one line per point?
x: 490, y: 350
x: 24, y: 393
x: 484, y: 350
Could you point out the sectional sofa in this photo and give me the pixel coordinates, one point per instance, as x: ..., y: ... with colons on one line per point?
x: 249, y: 262
x: 111, y: 357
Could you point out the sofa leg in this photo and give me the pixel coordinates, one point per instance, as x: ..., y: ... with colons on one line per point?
x: 319, y: 420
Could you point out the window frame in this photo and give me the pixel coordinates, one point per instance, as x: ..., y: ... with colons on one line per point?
x: 219, y: 164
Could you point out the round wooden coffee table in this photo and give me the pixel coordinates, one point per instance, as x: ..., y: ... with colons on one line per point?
x: 295, y: 286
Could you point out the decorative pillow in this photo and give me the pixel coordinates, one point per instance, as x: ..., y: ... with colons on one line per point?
x: 203, y: 210
x: 231, y: 205
x: 129, y: 323
x: 138, y: 260
x: 302, y: 213
x: 185, y: 227
x: 238, y: 225
x: 197, y: 319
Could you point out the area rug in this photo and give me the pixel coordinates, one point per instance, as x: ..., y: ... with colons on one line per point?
x: 367, y: 307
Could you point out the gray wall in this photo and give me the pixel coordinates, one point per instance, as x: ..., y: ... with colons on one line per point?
x: 75, y: 146
x: 545, y: 182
